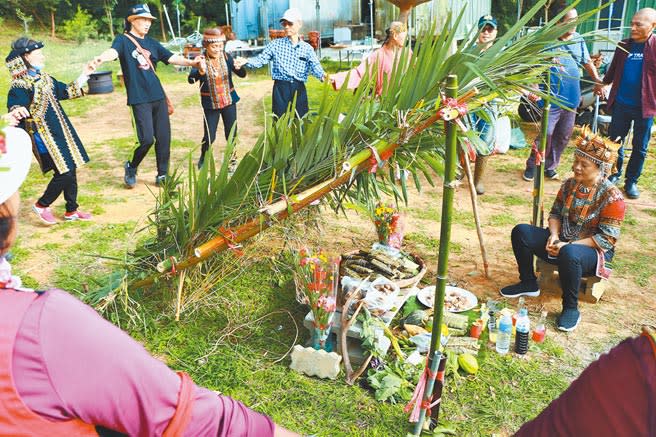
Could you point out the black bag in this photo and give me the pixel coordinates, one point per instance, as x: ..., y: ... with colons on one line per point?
x: 529, y: 111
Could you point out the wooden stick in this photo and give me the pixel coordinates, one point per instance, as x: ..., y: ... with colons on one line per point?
x: 178, y: 304
x: 477, y: 218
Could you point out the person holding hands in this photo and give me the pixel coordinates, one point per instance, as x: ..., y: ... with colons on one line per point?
x: 139, y: 55
x: 292, y: 60
x: 34, y: 105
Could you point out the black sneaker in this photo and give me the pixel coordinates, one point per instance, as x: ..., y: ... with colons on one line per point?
x: 521, y: 289
x: 529, y: 174
x: 569, y: 319
x: 130, y: 177
x: 551, y: 174
x: 161, y: 180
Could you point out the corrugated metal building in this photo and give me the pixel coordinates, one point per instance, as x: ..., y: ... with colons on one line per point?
x: 251, y: 19
x: 617, y: 26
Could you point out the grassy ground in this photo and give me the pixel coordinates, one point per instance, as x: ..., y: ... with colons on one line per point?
x: 236, y: 342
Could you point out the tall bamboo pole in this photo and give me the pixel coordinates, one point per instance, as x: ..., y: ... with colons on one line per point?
x: 443, y: 256
x: 538, y: 180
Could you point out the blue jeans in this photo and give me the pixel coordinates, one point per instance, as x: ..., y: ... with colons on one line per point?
x: 574, y: 260
x: 620, y: 124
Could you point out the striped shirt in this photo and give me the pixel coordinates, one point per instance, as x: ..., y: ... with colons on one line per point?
x: 289, y: 61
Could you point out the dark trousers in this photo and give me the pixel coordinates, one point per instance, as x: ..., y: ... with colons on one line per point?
x: 60, y: 183
x: 229, y: 115
x: 559, y: 130
x: 574, y: 260
x: 153, y: 127
x: 283, y: 96
x: 619, y: 127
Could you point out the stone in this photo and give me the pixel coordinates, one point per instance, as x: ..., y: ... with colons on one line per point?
x: 314, y: 362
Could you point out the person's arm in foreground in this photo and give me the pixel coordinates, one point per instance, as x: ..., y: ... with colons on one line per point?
x: 104, y: 377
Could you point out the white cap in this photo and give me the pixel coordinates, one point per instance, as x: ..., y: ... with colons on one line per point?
x: 292, y: 15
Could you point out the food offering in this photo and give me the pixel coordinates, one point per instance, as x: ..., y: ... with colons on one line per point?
x: 456, y: 300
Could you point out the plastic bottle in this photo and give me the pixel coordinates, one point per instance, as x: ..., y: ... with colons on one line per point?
x: 520, y: 305
x: 541, y: 328
x: 523, y: 328
x: 492, y: 326
x: 504, y: 334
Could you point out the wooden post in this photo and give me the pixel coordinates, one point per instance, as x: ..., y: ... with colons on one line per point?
x: 443, y: 257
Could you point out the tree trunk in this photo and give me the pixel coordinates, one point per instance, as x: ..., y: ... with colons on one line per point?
x: 111, y: 22
x: 52, y: 24
x: 161, y: 23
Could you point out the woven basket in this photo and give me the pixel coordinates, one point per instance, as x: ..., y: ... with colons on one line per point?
x: 402, y: 283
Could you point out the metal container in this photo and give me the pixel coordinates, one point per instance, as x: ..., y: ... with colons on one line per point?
x: 100, y: 82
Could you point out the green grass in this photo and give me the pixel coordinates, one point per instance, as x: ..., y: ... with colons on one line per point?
x: 234, y: 341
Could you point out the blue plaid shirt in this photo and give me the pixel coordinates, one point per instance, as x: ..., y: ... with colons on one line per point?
x: 289, y: 61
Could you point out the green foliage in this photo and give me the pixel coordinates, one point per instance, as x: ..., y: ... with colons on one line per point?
x: 80, y: 27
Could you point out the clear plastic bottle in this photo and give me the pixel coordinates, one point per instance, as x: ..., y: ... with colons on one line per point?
x: 523, y: 328
x: 504, y: 334
x: 520, y: 305
x: 540, y: 329
x: 492, y: 326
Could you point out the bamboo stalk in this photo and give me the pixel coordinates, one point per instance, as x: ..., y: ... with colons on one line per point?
x: 477, y: 218
x: 443, y: 256
x: 538, y: 180
x: 357, y: 163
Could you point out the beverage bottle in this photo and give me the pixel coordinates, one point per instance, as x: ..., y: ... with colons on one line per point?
x: 523, y: 328
x: 504, y: 334
x: 520, y: 305
x: 492, y: 326
x: 541, y: 328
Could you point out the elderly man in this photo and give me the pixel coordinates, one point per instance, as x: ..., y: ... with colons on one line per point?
x: 632, y: 98
x: 566, y: 87
x: 139, y: 56
x: 292, y: 60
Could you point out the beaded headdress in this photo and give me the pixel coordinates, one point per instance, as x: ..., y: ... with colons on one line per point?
x: 597, y: 149
x: 213, y: 35
x: 15, y: 62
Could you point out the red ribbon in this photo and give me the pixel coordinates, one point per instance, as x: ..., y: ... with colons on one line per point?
x: 417, y: 402
x: 229, y: 236
x: 449, y: 105
x: 173, y: 270
x: 538, y: 156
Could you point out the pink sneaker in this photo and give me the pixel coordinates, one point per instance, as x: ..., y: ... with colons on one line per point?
x: 77, y: 215
x: 45, y: 214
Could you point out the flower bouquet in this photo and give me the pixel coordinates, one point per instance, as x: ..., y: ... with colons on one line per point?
x: 317, y: 279
x: 389, y: 225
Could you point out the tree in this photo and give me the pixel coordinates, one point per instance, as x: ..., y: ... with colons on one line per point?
x: 109, y: 5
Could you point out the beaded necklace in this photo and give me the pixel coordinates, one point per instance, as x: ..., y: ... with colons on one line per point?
x: 568, y: 231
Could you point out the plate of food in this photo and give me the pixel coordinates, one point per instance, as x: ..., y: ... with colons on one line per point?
x: 456, y: 300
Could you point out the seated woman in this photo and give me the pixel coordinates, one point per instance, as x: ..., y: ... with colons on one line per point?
x: 65, y: 371
x: 584, y: 225
x: 384, y: 58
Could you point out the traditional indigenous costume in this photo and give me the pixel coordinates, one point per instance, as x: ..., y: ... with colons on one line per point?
x: 218, y: 96
x: 584, y: 212
x: 56, y: 145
